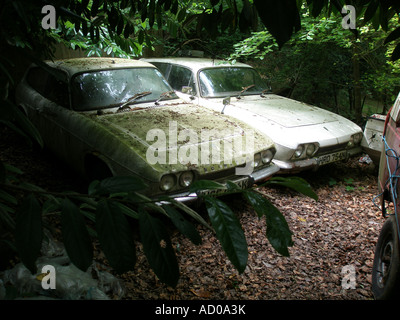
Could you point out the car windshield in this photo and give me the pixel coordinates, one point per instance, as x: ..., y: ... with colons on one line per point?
x: 219, y: 82
x: 110, y: 88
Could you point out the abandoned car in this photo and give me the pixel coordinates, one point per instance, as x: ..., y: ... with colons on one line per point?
x: 119, y: 117
x: 386, y: 267
x: 305, y: 136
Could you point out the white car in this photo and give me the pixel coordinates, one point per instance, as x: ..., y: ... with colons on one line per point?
x: 305, y: 136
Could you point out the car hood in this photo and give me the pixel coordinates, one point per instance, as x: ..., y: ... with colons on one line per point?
x: 283, y: 111
x: 164, y: 128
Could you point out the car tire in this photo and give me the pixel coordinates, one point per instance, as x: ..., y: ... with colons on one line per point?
x: 386, y: 266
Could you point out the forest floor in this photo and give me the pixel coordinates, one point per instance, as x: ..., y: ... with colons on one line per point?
x: 334, y: 234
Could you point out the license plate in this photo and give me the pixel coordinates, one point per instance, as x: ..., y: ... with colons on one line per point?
x: 243, y: 183
x: 333, y: 157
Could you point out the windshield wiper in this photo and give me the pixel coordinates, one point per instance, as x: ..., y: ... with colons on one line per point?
x: 266, y: 91
x: 244, y: 90
x: 167, y: 94
x: 132, y: 99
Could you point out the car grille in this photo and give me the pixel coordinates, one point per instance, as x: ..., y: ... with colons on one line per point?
x: 220, y: 174
x: 330, y: 149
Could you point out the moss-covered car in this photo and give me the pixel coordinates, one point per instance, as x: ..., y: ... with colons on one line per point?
x: 305, y: 136
x: 117, y: 117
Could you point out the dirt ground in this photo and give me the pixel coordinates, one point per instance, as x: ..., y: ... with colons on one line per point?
x: 334, y: 234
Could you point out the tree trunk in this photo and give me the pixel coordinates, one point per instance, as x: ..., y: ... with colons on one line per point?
x: 356, y: 84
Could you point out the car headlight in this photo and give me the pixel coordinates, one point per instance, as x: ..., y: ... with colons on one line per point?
x: 357, y: 137
x: 186, y: 178
x: 299, y: 151
x: 311, y: 149
x: 167, y: 182
x: 306, y: 150
x: 257, y: 159
x: 267, y: 156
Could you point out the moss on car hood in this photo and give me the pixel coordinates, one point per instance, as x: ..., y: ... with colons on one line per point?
x: 181, y: 129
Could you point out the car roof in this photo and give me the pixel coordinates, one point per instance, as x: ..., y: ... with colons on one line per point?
x: 197, y: 63
x: 78, y: 65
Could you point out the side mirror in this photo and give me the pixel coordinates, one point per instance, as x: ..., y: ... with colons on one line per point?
x: 225, y: 102
x: 187, y: 90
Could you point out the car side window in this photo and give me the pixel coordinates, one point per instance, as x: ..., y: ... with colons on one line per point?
x: 163, y: 67
x: 180, y: 78
x: 57, y: 91
x: 49, y: 86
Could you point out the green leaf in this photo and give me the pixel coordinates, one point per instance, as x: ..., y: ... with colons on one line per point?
x: 296, y: 183
x: 28, y: 232
x: 95, y: 7
x: 396, y: 53
x: 10, y: 112
x: 5, y: 196
x: 183, y: 225
x: 13, y: 169
x: 205, y: 185
x: 158, y: 249
x: 371, y: 10
x: 75, y: 235
x: 395, y: 34
x: 128, y: 211
x: 191, y: 212
x: 228, y: 231
x: 111, y: 185
x: 278, y: 232
x: 281, y: 18
x: 6, y: 219
x: 115, y: 236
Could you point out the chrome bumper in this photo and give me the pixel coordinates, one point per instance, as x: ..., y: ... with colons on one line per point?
x: 309, y: 163
x: 242, y: 181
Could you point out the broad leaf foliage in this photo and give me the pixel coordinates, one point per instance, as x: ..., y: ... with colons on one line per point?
x: 113, y: 216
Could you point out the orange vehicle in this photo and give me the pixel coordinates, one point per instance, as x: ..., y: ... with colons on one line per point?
x: 386, y: 267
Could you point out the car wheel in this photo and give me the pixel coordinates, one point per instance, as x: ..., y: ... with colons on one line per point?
x: 386, y: 267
